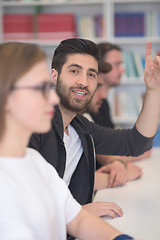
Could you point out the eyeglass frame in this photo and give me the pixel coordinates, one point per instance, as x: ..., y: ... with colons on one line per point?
x: 45, y: 88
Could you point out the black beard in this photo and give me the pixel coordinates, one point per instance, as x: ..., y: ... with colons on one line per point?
x: 65, y: 99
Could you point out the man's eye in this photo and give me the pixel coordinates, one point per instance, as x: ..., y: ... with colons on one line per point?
x: 92, y: 75
x: 74, y: 71
x: 99, y: 86
x: 117, y: 65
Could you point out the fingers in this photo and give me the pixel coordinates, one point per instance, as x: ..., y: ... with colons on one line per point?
x: 156, y: 63
x: 139, y: 173
x: 104, y: 209
x: 133, y: 172
x: 104, y: 169
x: 157, y: 60
x: 111, y: 209
x: 117, y: 178
x: 148, y: 56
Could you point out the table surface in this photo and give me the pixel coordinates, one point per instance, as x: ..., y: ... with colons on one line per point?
x: 139, y: 200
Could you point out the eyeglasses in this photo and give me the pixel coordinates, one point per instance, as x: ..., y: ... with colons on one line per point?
x: 44, y: 88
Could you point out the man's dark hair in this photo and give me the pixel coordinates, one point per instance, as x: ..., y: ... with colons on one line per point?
x: 74, y: 46
x: 106, y: 47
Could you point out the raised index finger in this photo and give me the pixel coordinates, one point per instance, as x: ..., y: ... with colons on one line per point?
x: 148, y: 57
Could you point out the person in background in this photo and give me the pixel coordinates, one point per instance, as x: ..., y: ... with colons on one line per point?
x: 112, y: 54
x: 70, y: 146
x: 117, y: 172
x: 35, y: 202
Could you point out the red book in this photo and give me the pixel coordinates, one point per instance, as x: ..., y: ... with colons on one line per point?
x: 56, y: 26
x: 17, y: 26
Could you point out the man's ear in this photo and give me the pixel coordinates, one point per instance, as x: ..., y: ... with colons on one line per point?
x: 54, y: 75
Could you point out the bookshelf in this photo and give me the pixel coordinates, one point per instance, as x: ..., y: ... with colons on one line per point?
x: 126, y: 102
x: 85, y: 12
x: 78, y: 8
x: 132, y: 87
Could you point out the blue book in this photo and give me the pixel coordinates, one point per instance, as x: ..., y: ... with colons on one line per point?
x: 158, y: 24
x: 129, y: 24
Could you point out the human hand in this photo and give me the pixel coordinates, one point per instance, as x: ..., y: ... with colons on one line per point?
x: 152, y: 69
x: 133, y: 172
x: 101, y: 180
x: 117, y: 173
x: 104, y: 209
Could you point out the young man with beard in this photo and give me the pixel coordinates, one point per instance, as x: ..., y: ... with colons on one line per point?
x: 73, y: 141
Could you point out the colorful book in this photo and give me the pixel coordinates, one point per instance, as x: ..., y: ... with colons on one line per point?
x: 56, y: 26
x: 18, y: 26
x: 158, y: 24
x: 129, y: 24
x: 130, y: 66
x: 138, y: 64
x: 99, y: 26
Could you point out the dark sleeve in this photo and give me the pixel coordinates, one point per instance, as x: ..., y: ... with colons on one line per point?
x: 123, y: 142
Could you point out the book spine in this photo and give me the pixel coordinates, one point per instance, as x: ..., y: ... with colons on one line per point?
x: 129, y: 24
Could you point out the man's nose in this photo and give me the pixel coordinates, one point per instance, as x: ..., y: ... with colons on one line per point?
x: 122, y: 69
x: 83, y: 80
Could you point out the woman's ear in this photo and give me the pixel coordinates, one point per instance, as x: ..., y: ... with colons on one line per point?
x: 54, y: 75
